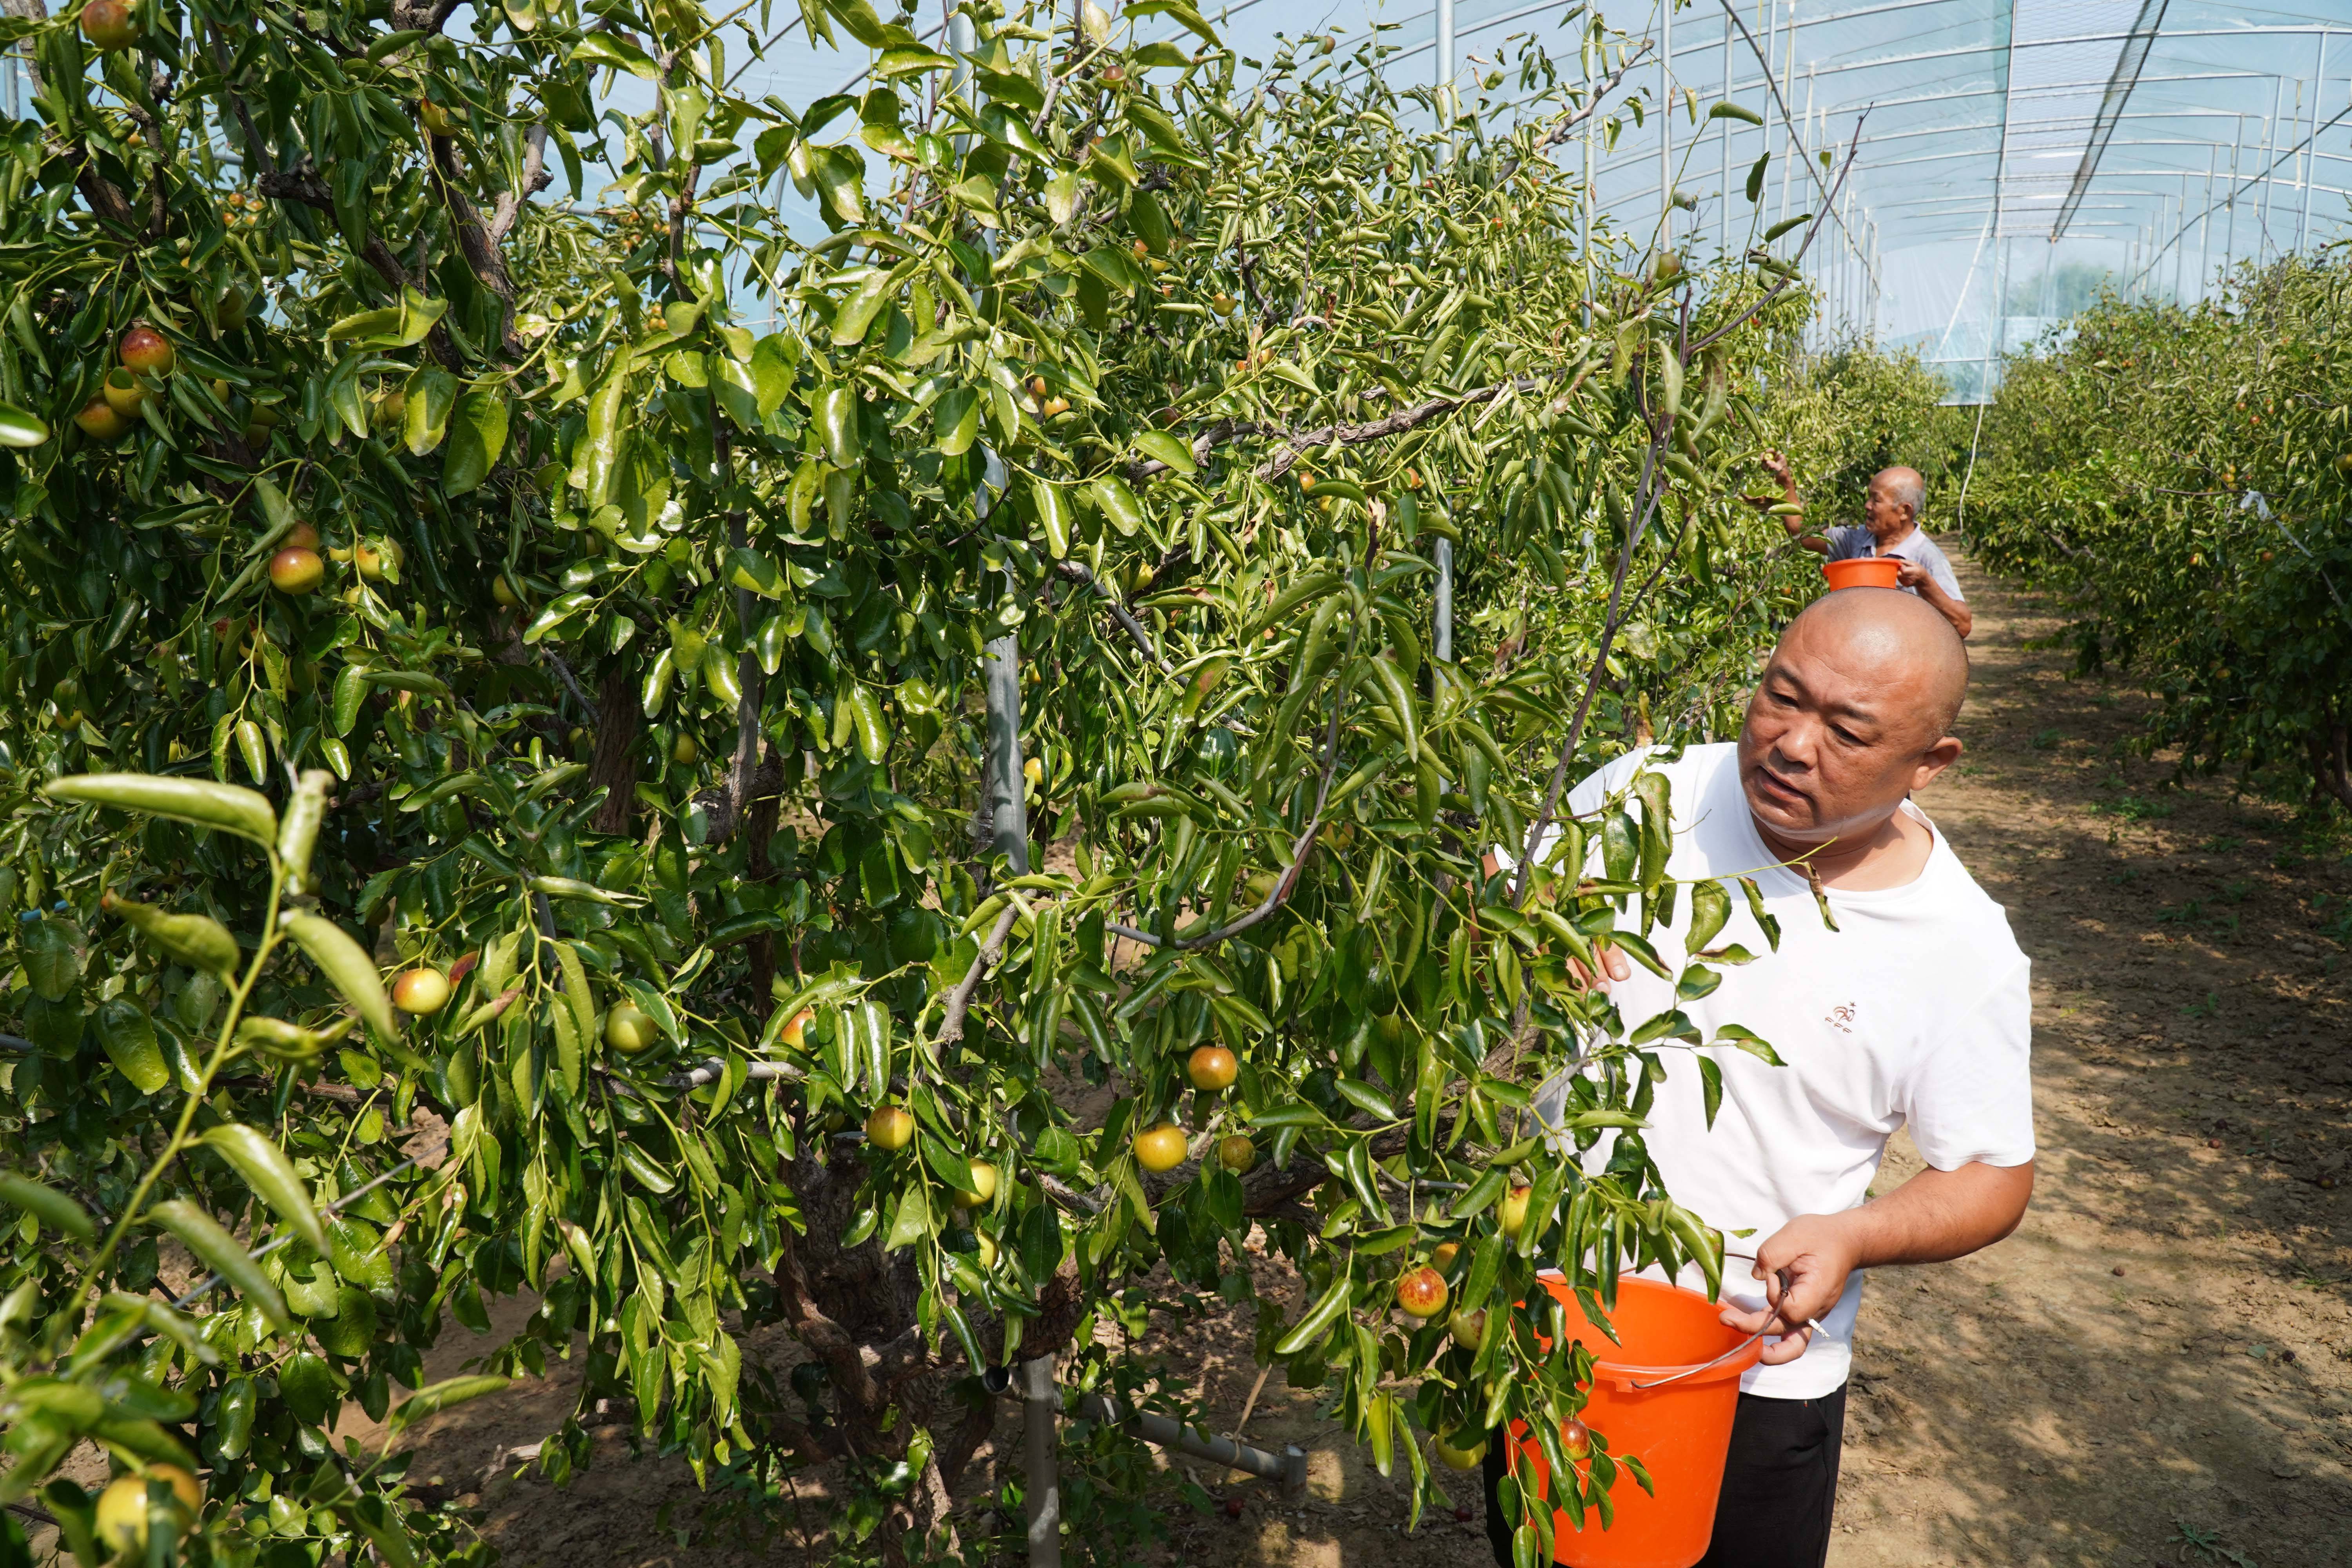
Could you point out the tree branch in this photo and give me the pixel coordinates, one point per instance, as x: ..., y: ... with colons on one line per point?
x: 429, y: 16
x: 480, y: 248
x: 991, y: 951
x: 535, y: 179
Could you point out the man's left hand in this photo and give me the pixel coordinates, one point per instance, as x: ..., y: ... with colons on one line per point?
x: 1819, y: 1252
x: 1909, y: 573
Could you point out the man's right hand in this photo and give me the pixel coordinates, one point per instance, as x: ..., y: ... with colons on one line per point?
x: 1776, y: 465
x: 1611, y: 961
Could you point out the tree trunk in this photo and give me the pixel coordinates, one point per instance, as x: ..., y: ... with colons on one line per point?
x: 2331, y: 761
x: 614, y: 768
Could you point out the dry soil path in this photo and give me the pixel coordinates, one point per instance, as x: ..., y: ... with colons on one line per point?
x: 2157, y: 1368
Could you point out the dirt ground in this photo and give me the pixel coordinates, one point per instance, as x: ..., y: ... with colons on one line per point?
x: 2156, y: 1369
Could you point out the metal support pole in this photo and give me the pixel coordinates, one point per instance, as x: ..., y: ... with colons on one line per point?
x: 1040, y: 1407
x: 1584, y: 223
x: 1666, y: 125
x: 1442, y: 607
x: 1287, y: 1469
x: 2230, y: 240
x: 2307, y: 171
x: 2205, y: 220
x: 1723, y: 194
x: 1446, y: 67
x: 1008, y: 807
x: 1788, y: 91
x: 2269, y: 141
x: 1771, y: 9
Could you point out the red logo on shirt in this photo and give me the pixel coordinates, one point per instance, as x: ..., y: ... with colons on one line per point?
x: 1841, y: 1018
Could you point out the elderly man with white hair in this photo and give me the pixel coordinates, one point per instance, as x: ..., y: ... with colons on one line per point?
x: 1889, y: 527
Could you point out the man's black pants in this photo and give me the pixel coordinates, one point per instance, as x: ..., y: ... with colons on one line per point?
x: 1779, y: 1486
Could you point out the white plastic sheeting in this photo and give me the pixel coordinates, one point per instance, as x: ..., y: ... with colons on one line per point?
x: 2011, y: 156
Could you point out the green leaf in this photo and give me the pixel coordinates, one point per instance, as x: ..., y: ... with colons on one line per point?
x: 446, y: 1394
x: 431, y: 396
x: 478, y: 437
x: 611, y: 50
x: 202, y: 1235
x: 1739, y: 111
x: 51, y: 962
x: 857, y: 311
x: 864, y: 25
x: 20, y: 429
x: 912, y: 1222
x: 1710, y: 908
x: 1747, y: 1040
x: 271, y: 1176
x: 348, y: 968
x: 48, y: 1205
x: 1172, y: 450
x: 1785, y: 224
x: 229, y: 807
x: 128, y: 1035
x: 909, y: 62
x: 747, y: 568
x: 946, y: 1165
x: 1177, y: 11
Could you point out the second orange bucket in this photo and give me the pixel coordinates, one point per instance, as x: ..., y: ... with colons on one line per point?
x: 1863, y: 572
x: 1681, y: 1431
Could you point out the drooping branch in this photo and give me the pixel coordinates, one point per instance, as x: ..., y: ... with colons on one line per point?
x: 105, y: 200
x: 1283, y: 884
x: 1078, y: 572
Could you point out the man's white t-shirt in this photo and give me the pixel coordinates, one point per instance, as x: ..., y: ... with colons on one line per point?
x: 1915, y: 1011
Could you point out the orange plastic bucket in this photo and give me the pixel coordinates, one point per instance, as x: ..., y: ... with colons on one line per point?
x: 1680, y: 1431
x: 1863, y: 572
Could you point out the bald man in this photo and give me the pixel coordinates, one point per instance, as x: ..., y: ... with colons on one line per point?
x: 1912, y: 1011
x: 1889, y: 527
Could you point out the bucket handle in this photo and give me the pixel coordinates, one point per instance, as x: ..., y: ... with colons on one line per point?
x: 1740, y: 1349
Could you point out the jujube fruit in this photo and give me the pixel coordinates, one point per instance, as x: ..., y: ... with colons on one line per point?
x: 1514, y: 1213
x: 122, y: 1512
x: 1212, y: 1067
x: 1421, y: 1291
x: 1161, y: 1149
x: 629, y: 1029
x: 1236, y: 1153
x: 890, y: 1128
x: 296, y: 571
x: 99, y: 422
x: 122, y: 391
x: 108, y: 25
x: 422, y: 992
x: 146, y: 351
x: 983, y: 1186
x: 1462, y: 1459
